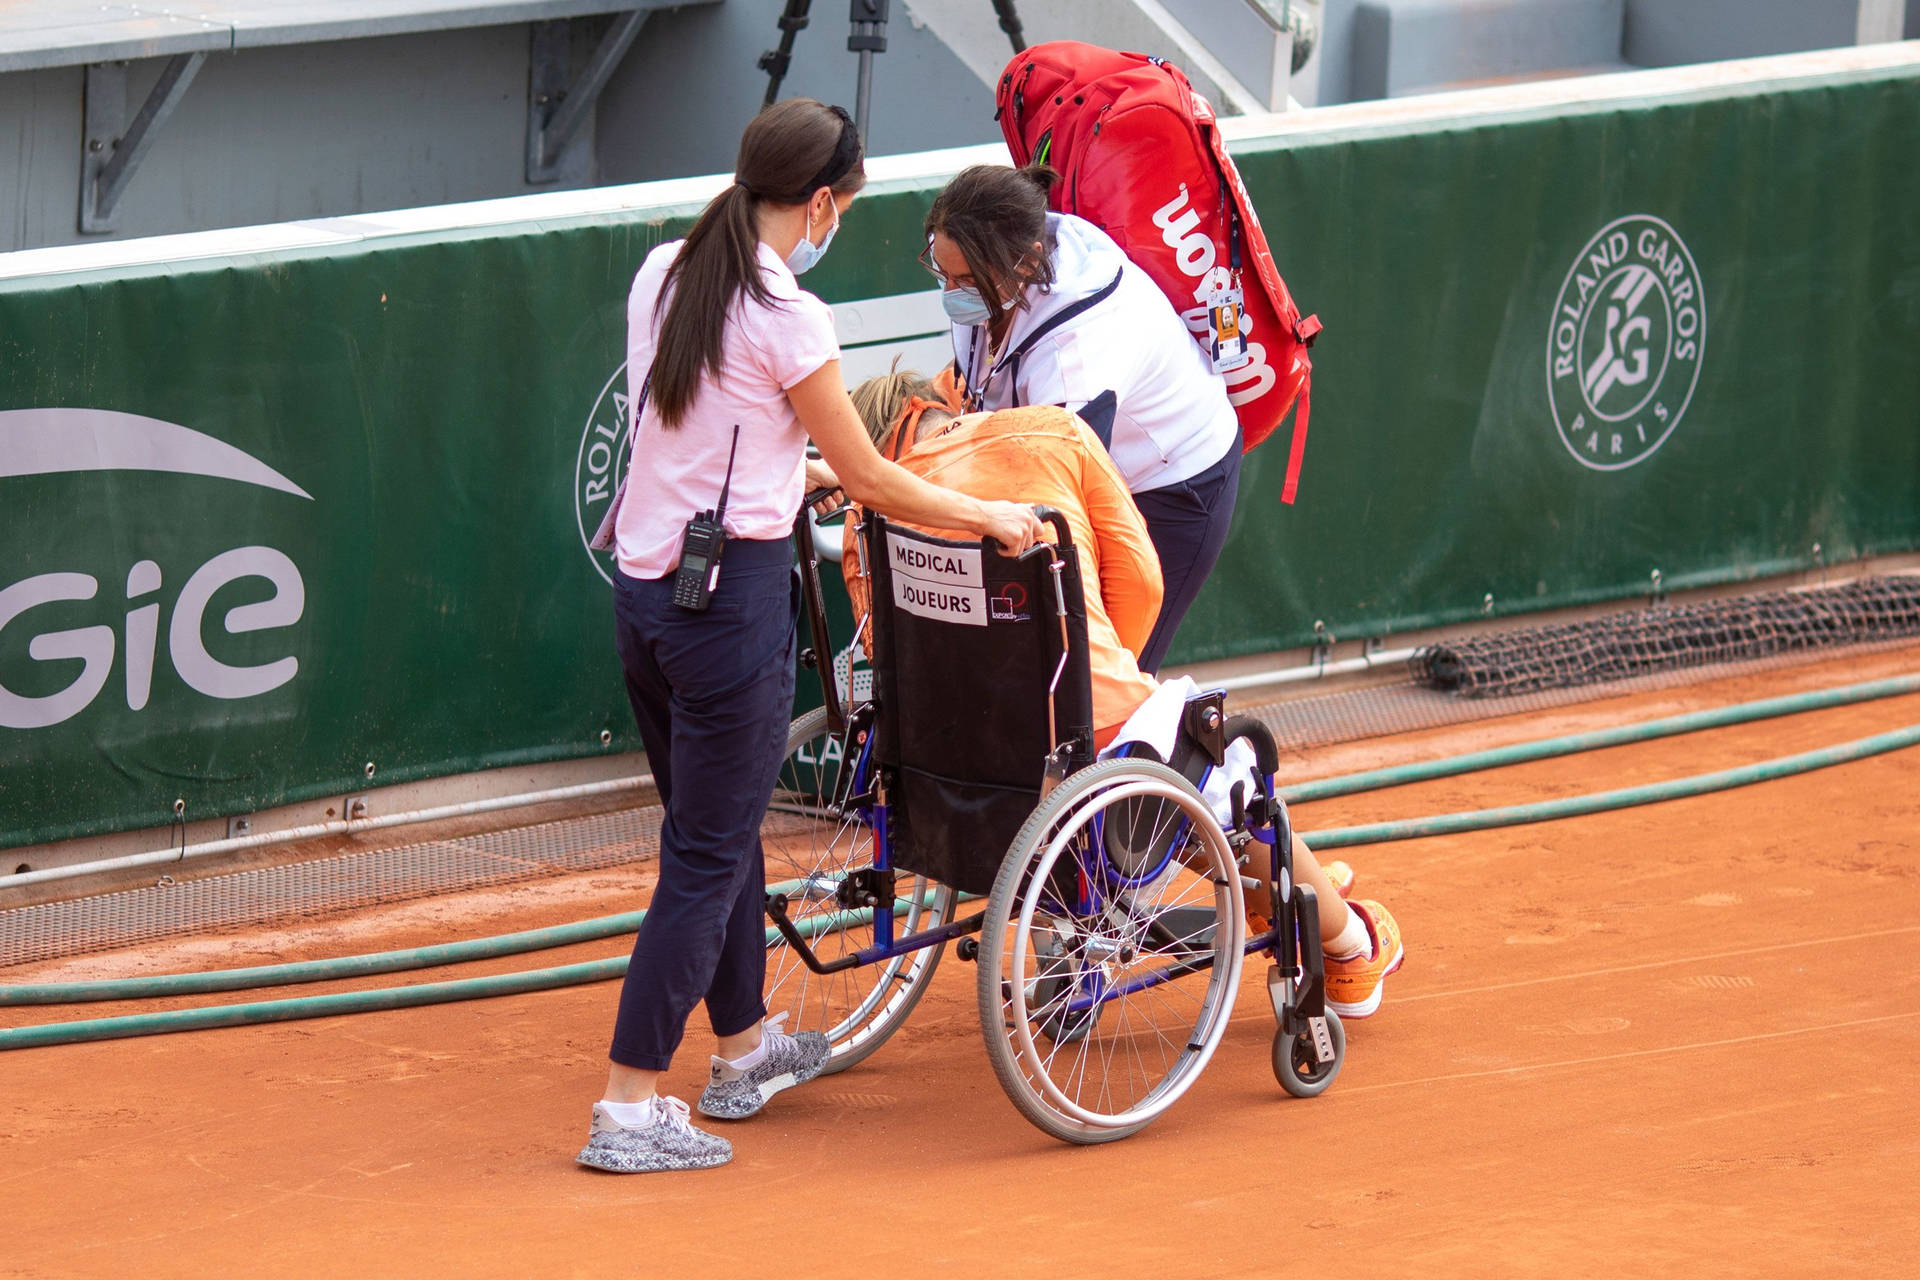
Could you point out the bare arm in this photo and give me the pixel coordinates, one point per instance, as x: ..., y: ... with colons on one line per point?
x: 827, y: 413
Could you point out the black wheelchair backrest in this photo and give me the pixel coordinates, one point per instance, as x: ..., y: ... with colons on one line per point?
x: 966, y: 649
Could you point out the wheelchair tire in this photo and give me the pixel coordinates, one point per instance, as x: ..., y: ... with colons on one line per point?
x: 1134, y: 1049
x: 807, y: 841
x: 1298, y: 1069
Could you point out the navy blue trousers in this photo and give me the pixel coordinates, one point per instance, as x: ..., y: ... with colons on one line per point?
x: 1188, y: 523
x: 712, y: 693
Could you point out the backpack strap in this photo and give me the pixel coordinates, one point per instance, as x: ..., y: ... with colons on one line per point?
x: 1298, y: 449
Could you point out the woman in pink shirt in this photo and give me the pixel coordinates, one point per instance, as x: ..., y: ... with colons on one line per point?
x: 733, y: 367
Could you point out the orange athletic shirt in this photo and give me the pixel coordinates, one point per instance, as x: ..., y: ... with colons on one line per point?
x: 1045, y: 456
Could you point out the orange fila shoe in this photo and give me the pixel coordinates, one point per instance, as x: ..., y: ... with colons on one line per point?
x: 1354, y: 986
x: 1340, y: 876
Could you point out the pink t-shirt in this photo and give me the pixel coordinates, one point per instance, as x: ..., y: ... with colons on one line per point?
x: 677, y: 473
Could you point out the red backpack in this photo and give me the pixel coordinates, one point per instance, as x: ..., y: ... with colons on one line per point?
x: 1140, y: 158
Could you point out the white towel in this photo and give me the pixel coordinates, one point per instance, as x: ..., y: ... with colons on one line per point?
x: 1156, y: 723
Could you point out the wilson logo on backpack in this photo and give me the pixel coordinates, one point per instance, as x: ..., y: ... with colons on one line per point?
x: 1197, y: 257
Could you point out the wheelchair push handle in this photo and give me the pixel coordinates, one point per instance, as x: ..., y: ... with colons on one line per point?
x: 1266, y: 752
x: 1063, y: 534
x: 815, y: 497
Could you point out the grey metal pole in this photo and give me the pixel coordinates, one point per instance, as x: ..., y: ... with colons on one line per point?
x: 867, y: 37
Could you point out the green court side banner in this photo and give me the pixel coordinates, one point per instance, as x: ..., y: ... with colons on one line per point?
x: 1567, y: 348
x: 311, y: 513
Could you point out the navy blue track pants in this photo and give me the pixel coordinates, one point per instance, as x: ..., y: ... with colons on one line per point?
x: 712, y: 693
x: 1188, y: 523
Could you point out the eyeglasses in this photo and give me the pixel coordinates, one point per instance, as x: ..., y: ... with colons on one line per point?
x: 964, y: 281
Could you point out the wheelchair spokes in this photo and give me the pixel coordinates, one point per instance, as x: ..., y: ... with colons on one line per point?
x: 1099, y: 1015
x: 814, y: 840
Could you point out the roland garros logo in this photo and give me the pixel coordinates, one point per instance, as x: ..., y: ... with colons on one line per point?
x: 600, y: 463
x: 1623, y: 353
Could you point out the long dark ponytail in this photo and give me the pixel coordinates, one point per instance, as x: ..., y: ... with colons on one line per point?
x: 788, y: 152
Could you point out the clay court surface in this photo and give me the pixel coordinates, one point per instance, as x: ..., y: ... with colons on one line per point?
x: 1679, y: 1036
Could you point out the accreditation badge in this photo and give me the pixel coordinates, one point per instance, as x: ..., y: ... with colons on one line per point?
x: 1226, y: 329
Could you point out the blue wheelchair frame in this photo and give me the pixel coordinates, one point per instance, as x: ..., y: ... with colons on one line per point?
x: 1298, y: 1005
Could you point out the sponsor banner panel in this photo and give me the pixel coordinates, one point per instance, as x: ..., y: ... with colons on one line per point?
x: 277, y: 525
x: 1564, y: 352
x: 280, y: 527
x: 289, y: 528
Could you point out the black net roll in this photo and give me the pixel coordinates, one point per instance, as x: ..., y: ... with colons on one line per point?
x: 1648, y: 640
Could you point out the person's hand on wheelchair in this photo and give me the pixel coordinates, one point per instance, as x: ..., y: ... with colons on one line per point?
x: 824, y: 494
x: 1014, y: 525
x: 1011, y: 524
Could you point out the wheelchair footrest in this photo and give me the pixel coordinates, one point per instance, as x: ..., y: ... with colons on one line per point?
x: 1184, y: 932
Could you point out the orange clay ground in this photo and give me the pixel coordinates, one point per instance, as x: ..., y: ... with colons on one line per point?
x: 1681, y: 1039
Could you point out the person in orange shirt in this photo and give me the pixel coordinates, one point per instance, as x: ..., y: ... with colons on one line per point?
x: 1049, y: 458
x: 1044, y: 455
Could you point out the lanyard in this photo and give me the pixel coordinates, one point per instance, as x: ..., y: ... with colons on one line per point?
x: 976, y: 398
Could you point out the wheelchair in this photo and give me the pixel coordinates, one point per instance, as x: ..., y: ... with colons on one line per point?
x: 1099, y: 899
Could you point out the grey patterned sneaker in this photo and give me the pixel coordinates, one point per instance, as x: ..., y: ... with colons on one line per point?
x: 668, y: 1141
x: 734, y: 1093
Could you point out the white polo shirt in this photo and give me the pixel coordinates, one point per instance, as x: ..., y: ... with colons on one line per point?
x: 674, y: 474
x: 1174, y: 419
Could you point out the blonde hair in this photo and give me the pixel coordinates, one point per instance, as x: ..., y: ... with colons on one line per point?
x: 880, y: 401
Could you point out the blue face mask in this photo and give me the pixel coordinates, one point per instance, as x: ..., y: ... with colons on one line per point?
x: 965, y: 306
x: 806, y: 255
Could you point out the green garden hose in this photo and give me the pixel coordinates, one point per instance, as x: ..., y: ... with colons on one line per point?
x: 1625, y: 798
x: 1578, y: 743
x: 280, y: 975
x: 285, y: 975
x: 147, y: 1024
x: 240, y: 1015
x: 343, y: 1002
x: 163, y: 985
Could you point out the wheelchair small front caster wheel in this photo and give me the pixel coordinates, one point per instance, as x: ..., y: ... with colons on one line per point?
x: 968, y: 949
x: 1299, y: 1069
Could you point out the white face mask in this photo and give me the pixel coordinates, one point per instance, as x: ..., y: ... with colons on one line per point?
x: 806, y: 255
x: 965, y: 306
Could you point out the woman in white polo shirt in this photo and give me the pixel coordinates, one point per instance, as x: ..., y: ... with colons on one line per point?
x: 1047, y: 309
x: 732, y: 367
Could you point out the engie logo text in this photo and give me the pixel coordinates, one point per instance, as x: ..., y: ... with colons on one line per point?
x: 132, y: 623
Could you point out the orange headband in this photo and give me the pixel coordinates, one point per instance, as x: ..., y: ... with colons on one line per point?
x: 908, y: 423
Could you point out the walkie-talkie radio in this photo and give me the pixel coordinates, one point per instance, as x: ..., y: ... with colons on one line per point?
x: 701, y: 547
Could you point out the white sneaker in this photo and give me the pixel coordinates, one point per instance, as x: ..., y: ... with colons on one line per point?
x: 734, y: 1093
x: 667, y: 1141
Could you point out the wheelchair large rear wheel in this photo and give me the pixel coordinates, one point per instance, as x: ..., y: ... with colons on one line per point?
x: 1104, y: 990
x: 812, y: 845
